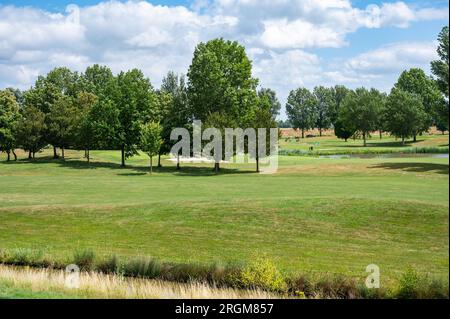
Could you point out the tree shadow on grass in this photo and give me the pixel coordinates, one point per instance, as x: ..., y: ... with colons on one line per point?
x: 414, y: 167
x: 131, y: 170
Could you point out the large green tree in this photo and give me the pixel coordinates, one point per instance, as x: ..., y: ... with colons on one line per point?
x: 85, y: 137
x: 440, y: 67
x: 360, y: 111
x: 135, y: 100
x: 9, y: 115
x: 301, y: 109
x: 339, y: 93
x: 417, y: 82
x: 220, y: 80
x: 404, y: 114
x: 324, y: 106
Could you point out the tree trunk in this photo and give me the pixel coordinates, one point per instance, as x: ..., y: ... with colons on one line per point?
x: 62, y: 152
x: 29, y: 155
x: 159, y: 160
x: 9, y: 155
x: 320, y: 131
x: 381, y: 134
x: 88, y: 156
x: 415, y: 137
x: 345, y: 139
x: 15, y: 155
x: 303, y: 133
x: 55, y: 155
x: 34, y: 154
x: 178, y: 161
x: 123, y: 156
x: 151, y: 164
x: 216, y: 167
x: 257, y: 163
x: 364, y: 138
x: 403, y: 140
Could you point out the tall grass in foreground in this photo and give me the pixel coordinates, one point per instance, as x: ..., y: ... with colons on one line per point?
x: 259, y: 275
x: 98, y: 285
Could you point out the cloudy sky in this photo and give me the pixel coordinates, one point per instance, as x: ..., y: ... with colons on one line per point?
x: 292, y: 43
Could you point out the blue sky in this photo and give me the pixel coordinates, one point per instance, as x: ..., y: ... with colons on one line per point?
x: 291, y: 43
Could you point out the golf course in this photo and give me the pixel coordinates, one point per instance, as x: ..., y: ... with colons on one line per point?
x: 316, y: 215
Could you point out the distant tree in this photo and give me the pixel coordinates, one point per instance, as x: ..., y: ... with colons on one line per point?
x: 9, y: 116
x: 440, y: 67
x: 417, y: 82
x: 301, y: 109
x: 85, y: 125
x: 62, y: 121
x: 339, y: 93
x: 275, y: 105
x: 135, y: 101
x: 360, y: 111
x: 173, y: 109
x: 323, y: 107
x: 30, y: 131
x: 404, y: 114
x: 151, y: 140
x: 284, y: 124
x: 220, y: 80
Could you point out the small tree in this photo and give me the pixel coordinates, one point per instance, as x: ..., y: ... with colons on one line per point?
x: 404, y: 114
x: 300, y: 109
x: 342, y: 131
x: 151, y: 140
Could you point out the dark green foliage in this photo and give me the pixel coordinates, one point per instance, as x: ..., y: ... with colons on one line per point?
x: 301, y: 109
x: 341, y: 131
x: 84, y: 259
x: 440, y: 67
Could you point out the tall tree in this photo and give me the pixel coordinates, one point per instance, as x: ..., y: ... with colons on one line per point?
x: 85, y: 137
x: 62, y: 121
x: 30, y: 131
x: 97, y: 80
x: 404, y: 114
x: 275, y: 105
x: 220, y: 80
x: 339, y: 93
x: 9, y: 115
x: 360, y: 111
x: 150, y: 140
x: 417, y: 82
x: 173, y: 109
x: 301, y: 109
x: 135, y: 100
x: 440, y: 67
x: 324, y: 106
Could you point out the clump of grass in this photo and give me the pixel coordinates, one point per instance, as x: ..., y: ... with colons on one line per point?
x: 412, y: 285
x: 108, y: 265
x: 84, y: 259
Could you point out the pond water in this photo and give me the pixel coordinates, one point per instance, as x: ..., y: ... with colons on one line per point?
x: 386, y: 155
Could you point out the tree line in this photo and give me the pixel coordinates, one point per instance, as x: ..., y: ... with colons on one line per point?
x: 95, y: 109
x: 98, y: 110
x: 415, y: 103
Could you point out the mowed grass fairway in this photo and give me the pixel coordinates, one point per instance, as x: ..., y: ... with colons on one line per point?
x: 316, y: 215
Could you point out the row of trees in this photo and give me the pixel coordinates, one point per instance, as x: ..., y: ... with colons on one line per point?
x: 98, y: 110
x: 414, y: 104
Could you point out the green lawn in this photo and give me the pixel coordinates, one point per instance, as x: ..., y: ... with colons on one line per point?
x: 332, y: 145
x: 315, y: 215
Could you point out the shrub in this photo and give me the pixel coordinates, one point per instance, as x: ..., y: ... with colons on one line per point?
x: 109, y: 265
x: 415, y: 286
x: 262, y: 273
x: 84, y: 259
